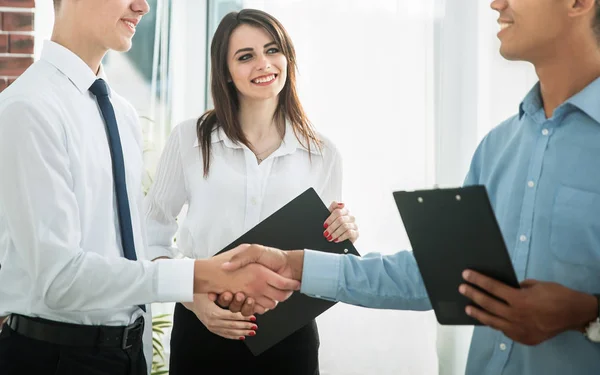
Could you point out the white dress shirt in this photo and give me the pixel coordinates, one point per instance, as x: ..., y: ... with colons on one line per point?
x: 237, y: 194
x: 60, y: 248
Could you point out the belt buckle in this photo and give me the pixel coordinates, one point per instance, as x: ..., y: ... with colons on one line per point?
x: 130, y: 329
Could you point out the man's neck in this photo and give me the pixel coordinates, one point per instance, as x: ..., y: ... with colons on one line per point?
x: 257, y: 119
x: 566, y: 74
x: 68, y: 37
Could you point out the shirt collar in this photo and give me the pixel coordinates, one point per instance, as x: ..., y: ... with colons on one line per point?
x: 532, y: 102
x: 289, y: 144
x: 586, y: 101
x: 71, y: 65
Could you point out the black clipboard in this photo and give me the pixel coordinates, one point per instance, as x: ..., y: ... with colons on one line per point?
x: 297, y: 225
x: 451, y: 230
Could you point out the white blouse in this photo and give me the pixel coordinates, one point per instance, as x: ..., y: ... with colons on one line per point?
x: 237, y: 194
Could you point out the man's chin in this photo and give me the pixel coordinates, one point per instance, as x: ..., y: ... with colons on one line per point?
x: 510, y: 55
x: 122, y: 46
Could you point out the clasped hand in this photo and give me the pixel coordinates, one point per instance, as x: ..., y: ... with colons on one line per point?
x: 338, y: 227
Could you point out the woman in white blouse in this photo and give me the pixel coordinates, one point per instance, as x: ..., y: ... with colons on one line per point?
x: 234, y: 167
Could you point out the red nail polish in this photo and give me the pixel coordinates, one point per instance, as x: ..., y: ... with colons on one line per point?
x: 340, y: 204
x: 336, y: 240
x: 254, y: 328
x: 242, y: 338
x: 252, y: 319
x: 329, y: 238
x: 251, y: 333
x: 326, y: 234
x: 325, y: 225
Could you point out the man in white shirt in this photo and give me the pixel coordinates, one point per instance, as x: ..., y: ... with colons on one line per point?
x: 71, y: 231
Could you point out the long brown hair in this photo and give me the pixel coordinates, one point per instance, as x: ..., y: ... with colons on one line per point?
x: 225, y: 113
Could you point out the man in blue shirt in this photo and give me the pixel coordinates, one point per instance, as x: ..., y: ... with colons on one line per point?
x: 541, y: 169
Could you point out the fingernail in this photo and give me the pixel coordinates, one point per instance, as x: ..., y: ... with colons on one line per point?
x: 251, y: 333
x: 336, y: 240
x: 462, y: 289
x: 326, y: 234
x: 254, y: 327
x: 226, y: 298
x: 252, y: 319
x: 325, y: 225
x: 242, y: 338
x: 466, y: 275
x: 329, y: 238
x: 239, y: 298
x: 468, y: 310
x: 340, y: 204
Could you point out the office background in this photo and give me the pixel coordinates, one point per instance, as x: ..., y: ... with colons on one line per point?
x: 405, y: 88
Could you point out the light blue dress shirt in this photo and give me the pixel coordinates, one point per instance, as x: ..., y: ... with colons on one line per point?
x: 543, y: 179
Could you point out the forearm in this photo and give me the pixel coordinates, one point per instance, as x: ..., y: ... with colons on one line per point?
x: 91, y: 282
x: 376, y: 281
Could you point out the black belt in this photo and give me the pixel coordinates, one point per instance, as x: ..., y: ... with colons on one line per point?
x: 78, y: 335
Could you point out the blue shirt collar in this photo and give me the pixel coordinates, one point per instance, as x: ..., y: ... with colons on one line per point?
x: 532, y: 102
x: 586, y: 101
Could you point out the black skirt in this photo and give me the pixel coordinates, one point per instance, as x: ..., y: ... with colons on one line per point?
x: 197, y: 351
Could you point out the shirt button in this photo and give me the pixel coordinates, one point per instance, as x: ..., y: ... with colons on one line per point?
x: 523, y: 238
x: 530, y: 184
x: 544, y: 131
x: 503, y: 346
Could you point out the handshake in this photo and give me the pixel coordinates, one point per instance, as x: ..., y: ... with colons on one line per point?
x: 250, y: 279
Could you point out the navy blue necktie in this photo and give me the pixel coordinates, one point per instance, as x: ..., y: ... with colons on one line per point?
x: 100, y: 89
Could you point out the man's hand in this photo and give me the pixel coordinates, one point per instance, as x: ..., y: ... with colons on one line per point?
x: 530, y: 315
x: 286, y: 263
x: 238, y: 303
x: 265, y: 286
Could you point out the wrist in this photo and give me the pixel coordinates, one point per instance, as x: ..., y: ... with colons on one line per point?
x: 296, y: 262
x: 206, y: 277
x: 588, y: 312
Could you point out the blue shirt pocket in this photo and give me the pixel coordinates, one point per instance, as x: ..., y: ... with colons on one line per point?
x: 575, y: 238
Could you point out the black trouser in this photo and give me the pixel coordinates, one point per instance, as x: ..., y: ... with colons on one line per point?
x: 21, y: 355
x: 197, y: 351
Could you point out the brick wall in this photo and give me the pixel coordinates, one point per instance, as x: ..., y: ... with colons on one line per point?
x: 16, y: 38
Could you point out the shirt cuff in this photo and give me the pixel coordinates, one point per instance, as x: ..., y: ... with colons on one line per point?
x: 321, y: 274
x: 153, y: 252
x: 175, y: 280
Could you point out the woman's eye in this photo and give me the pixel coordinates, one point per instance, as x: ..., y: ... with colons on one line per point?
x: 245, y: 57
x: 272, y: 51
